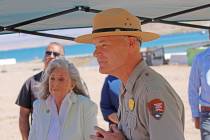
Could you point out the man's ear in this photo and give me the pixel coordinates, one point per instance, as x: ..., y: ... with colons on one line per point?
x: 132, y: 41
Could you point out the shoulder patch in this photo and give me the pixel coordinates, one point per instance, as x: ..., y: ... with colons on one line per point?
x: 156, y: 108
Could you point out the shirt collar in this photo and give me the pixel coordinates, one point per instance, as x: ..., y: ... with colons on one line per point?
x: 70, y: 97
x: 138, y: 70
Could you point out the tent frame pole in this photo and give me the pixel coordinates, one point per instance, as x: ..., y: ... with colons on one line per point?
x: 146, y: 20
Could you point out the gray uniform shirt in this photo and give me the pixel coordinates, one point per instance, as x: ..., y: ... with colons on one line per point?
x: 156, y: 112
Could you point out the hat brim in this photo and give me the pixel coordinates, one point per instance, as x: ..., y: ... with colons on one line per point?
x: 143, y: 36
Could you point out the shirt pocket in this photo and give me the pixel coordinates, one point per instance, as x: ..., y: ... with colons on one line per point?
x: 131, y: 125
x: 131, y: 121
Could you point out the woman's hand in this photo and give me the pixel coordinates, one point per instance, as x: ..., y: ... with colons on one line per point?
x: 114, y: 134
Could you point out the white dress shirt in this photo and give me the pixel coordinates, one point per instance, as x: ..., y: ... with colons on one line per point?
x: 57, y: 118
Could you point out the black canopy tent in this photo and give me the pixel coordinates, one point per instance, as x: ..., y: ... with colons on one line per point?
x: 31, y: 17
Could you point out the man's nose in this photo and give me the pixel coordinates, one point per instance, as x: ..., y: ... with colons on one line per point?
x: 97, y: 52
x: 52, y: 55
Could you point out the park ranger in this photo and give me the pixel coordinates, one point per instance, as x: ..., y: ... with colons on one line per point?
x: 149, y: 107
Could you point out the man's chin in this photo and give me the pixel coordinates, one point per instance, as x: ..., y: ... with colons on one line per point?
x: 103, y: 70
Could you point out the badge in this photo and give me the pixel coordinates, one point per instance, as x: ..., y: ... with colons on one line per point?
x: 156, y: 108
x: 131, y: 104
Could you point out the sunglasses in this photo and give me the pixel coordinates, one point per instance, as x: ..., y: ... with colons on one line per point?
x: 49, y: 53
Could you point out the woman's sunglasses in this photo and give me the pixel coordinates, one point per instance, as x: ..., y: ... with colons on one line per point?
x: 49, y: 53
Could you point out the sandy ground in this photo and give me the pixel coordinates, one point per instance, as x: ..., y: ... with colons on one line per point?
x: 13, y: 76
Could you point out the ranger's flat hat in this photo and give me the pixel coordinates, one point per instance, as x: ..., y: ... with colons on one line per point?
x: 116, y: 21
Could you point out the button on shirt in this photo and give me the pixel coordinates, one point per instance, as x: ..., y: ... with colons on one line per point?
x: 57, y: 119
x: 199, y: 82
x: 136, y: 121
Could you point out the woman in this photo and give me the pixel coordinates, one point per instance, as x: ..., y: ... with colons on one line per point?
x: 64, y: 112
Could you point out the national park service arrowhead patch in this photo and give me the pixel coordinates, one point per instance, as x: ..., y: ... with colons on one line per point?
x: 156, y: 108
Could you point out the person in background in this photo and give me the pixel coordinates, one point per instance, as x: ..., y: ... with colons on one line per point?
x: 149, y: 108
x: 110, y: 99
x: 199, y: 93
x: 29, y: 90
x: 64, y: 110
